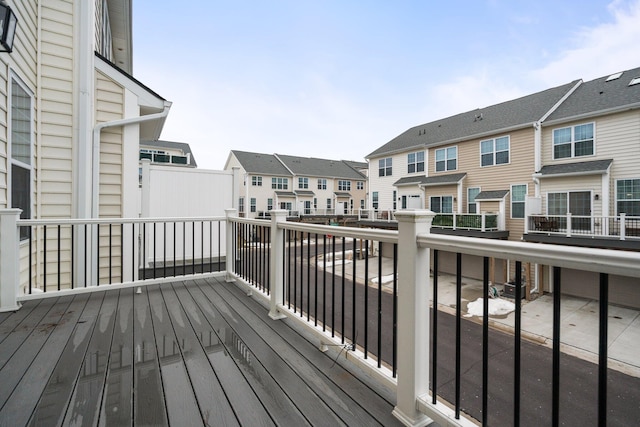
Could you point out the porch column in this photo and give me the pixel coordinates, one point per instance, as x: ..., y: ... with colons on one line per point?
x: 9, y: 259
x: 413, y: 316
x: 230, y: 256
x: 276, y: 278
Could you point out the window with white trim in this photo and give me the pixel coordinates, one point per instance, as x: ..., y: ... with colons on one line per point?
x: 344, y: 185
x: 374, y: 200
x: 253, y: 204
x: 359, y: 185
x: 446, y: 159
x: 328, y: 203
x: 472, y: 206
x: 256, y: 181
x: 441, y: 204
x: 303, y: 183
x: 241, y: 204
x: 494, y: 151
x: 628, y: 197
x: 322, y: 184
x: 21, y: 140
x: 280, y: 183
x: 362, y: 204
x: 573, y: 141
x: 385, y: 167
x: 415, y: 162
x: 518, y: 196
x: 394, y: 197
x: 269, y: 204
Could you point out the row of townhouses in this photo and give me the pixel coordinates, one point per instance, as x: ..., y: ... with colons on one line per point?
x: 300, y: 185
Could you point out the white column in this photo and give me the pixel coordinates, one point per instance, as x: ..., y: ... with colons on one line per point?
x: 277, y: 272
x: 9, y: 259
x: 414, y: 288
x: 230, y: 256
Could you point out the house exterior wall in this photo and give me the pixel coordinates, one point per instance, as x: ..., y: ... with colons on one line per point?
x: 384, y: 184
x: 616, y: 137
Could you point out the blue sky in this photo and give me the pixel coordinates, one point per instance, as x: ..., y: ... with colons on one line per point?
x: 338, y: 79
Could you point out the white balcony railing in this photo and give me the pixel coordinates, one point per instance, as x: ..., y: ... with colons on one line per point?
x: 620, y: 227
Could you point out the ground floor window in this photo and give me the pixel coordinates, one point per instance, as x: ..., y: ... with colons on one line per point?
x: 241, y: 204
x: 374, y: 200
x: 518, y: 196
x: 441, y: 204
x: 628, y: 197
x: 577, y: 203
x: 286, y: 206
x: 472, y: 206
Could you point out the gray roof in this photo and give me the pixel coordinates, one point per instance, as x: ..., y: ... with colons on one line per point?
x: 430, y: 181
x: 594, y: 166
x: 304, y: 193
x: 600, y: 96
x: 491, y: 195
x: 309, y: 166
x: 357, y: 165
x: 258, y: 163
x: 285, y: 194
x: 342, y: 194
x: 512, y: 114
x: 183, y: 146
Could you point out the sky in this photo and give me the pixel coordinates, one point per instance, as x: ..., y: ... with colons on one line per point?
x: 337, y: 79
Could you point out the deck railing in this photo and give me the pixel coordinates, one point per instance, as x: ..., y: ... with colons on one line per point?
x: 331, y: 280
x: 456, y: 221
x: 620, y: 227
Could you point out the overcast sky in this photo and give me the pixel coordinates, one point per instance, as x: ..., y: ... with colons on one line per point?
x: 337, y: 79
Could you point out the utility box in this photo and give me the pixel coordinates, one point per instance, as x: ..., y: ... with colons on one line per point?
x: 510, y: 290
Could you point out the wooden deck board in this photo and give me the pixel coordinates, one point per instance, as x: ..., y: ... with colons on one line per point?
x: 360, y: 406
x: 185, y: 353
x: 35, y: 376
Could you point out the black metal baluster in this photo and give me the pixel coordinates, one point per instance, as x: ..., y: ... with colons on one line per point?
x: 201, y: 246
x: 602, y: 353
x: 289, y: 269
x: 219, y: 245
x: 98, y: 256
x: 44, y: 232
x: 342, y: 330
x: 458, y: 331
x: 366, y: 299
x: 324, y: 282
x: 333, y: 286
x: 394, y: 362
x: 164, y: 249
x: 110, y: 251
x: 133, y: 250
x: 155, y: 263
x: 193, y: 247
x: 353, y: 295
x: 308, y: 276
x: 31, y: 259
x: 379, y: 304
x: 485, y: 338
x: 121, y: 252
x: 72, y: 257
x: 434, y: 331
x: 517, y: 349
x: 295, y: 271
x: 211, y: 246
x: 59, y: 263
x: 555, y: 376
x: 86, y: 254
x: 184, y: 248
x: 315, y: 285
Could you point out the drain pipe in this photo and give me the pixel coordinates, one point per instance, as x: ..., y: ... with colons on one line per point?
x: 95, y: 170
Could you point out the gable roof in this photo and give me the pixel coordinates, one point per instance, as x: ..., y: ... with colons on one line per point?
x: 182, y: 146
x: 506, y: 116
x: 491, y: 195
x: 258, y: 163
x: 310, y: 166
x: 577, y: 168
x: 599, y: 96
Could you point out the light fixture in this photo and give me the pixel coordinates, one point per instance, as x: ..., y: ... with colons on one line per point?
x: 596, y: 197
x: 8, y: 23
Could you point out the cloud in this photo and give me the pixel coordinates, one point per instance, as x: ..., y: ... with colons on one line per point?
x: 600, y: 50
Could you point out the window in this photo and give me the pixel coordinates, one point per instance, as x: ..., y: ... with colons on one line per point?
x: 21, y: 116
x: 573, y: 141
x: 415, y: 162
x: 344, y: 185
x: 303, y: 183
x: 628, y: 196
x: 269, y: 204
x: 256, y: 181
x: 360, y: 185
x: 518, y: 195
x: 322, y: 184
x: 442, y: 204
x: 253, y: 204
x: 328, y: 203
x: 361, y: 203
x: 447, y: 159
x: 307, y: 207
x: 472, y: 206
x: 374, y: 200
x: 241, y: 204
x: 280, y: 183
x: 494, y: 151
x: 385, y: 167
x: 577, y: 203
x: 286, y: 205
x: 395, y: 200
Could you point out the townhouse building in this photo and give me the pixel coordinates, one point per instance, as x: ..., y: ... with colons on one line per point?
x: 301, y: 185
x: 558, y: 166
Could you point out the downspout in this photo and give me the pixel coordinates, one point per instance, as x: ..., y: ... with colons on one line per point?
x: 95, y: 174
x: 96, y: 149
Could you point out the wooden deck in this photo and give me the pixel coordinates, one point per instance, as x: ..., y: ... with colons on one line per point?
x: 194, y: 353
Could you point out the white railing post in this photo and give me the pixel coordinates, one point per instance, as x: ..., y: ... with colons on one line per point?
x: 230, y: 257
x: 9, y: 259
x: 276, y: 278
x: 454, y: 221
x: 413, y: 316
x: 527, y: 218
x: 569, y: 224
x: 623, y: 226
